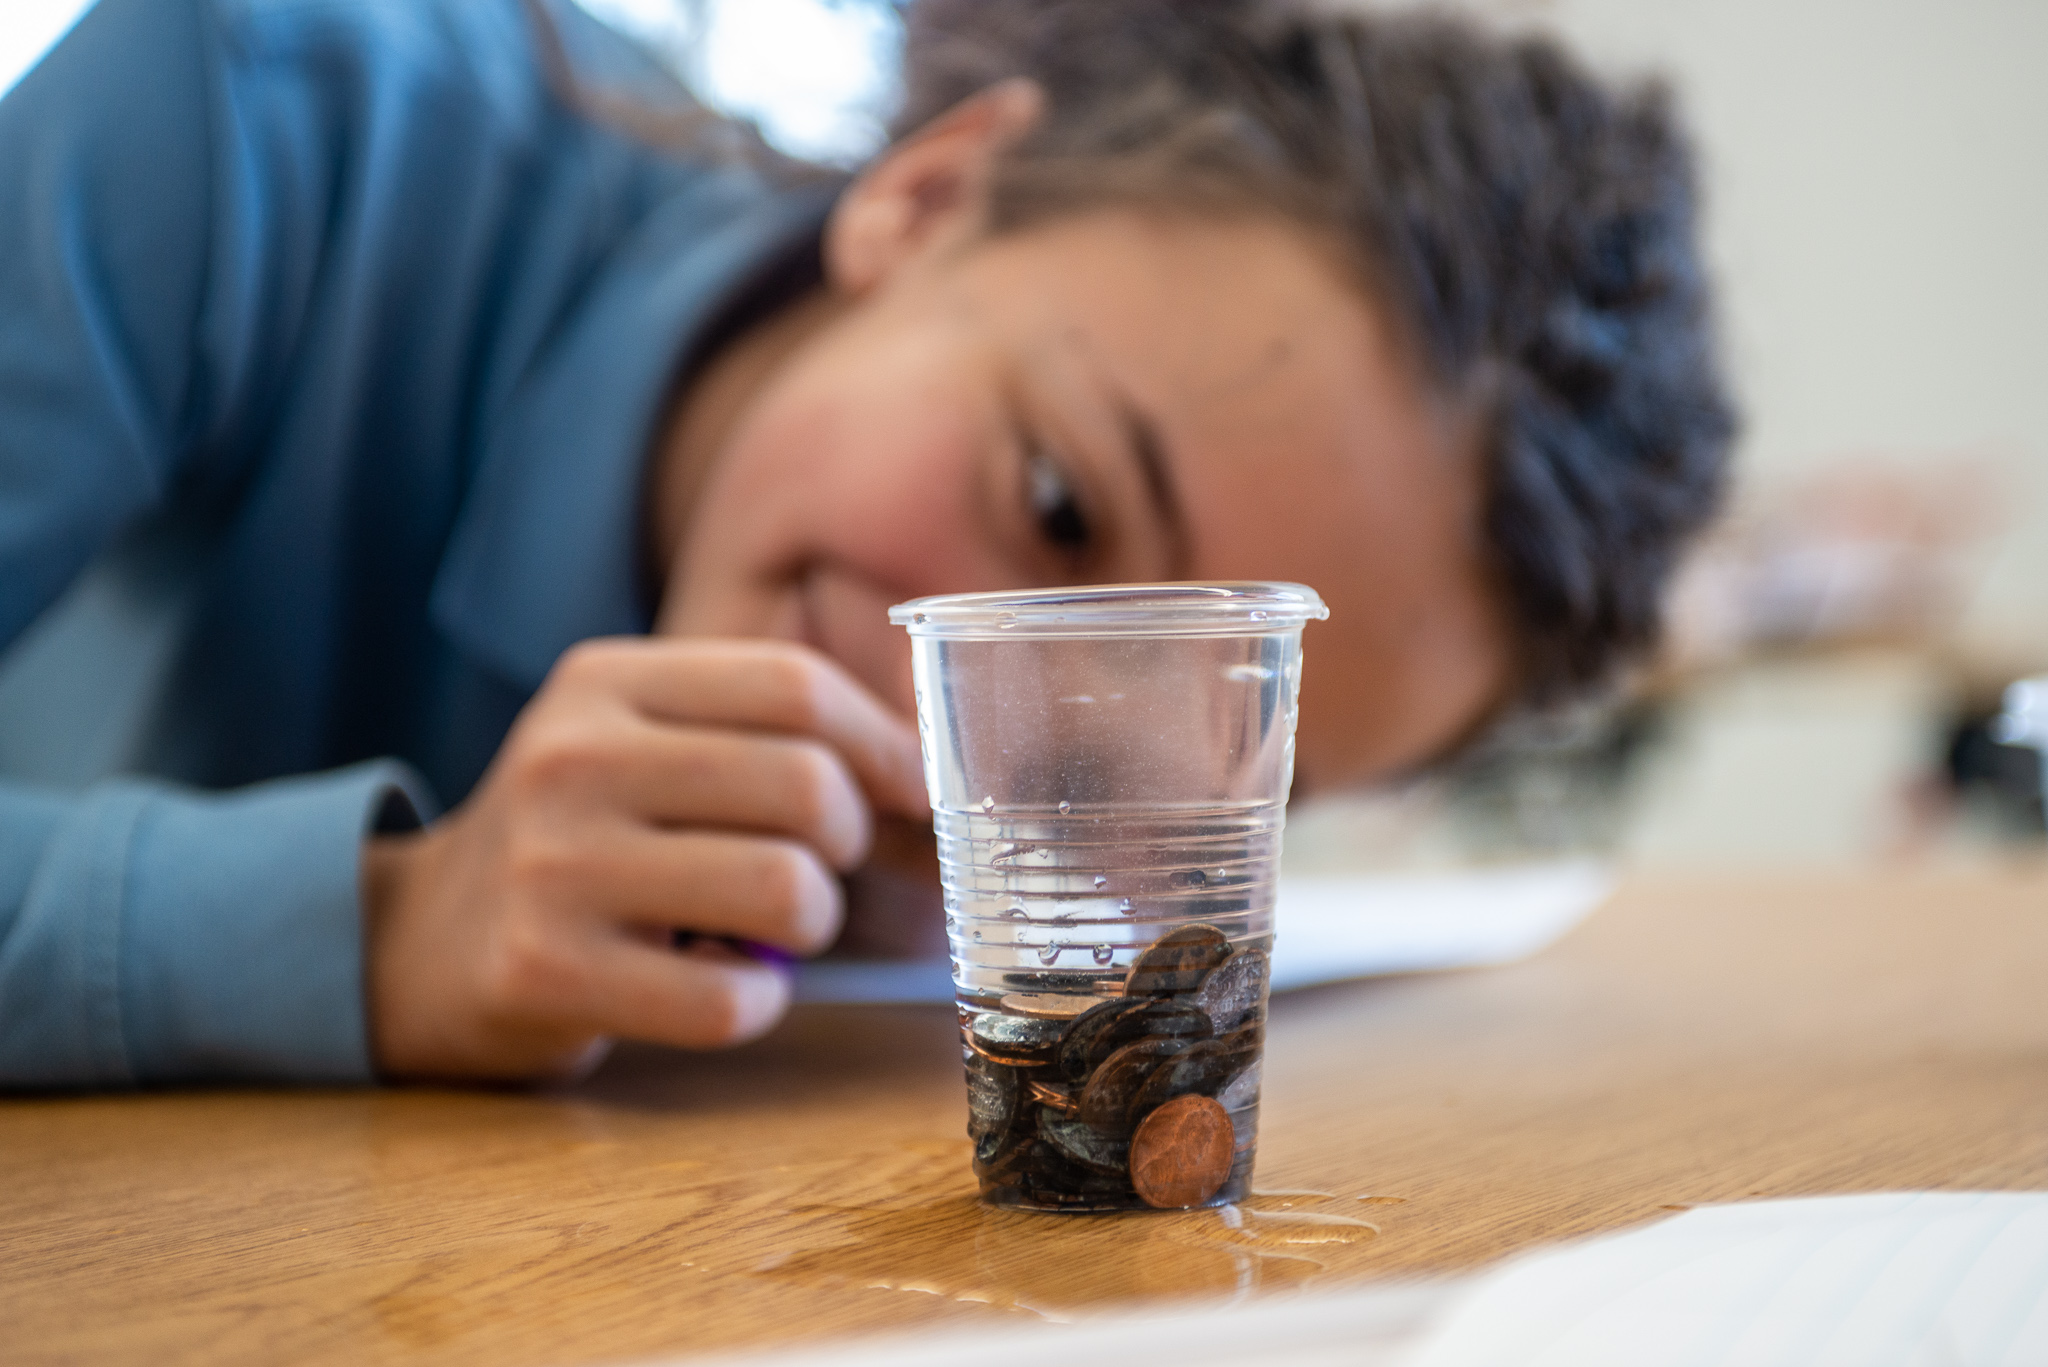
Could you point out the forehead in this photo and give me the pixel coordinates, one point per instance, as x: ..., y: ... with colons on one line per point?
x: 1303, y: 443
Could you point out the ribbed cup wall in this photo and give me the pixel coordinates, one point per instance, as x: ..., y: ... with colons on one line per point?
x: 1032, y: 893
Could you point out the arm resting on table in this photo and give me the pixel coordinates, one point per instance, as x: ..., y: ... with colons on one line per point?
x: 151, y: 934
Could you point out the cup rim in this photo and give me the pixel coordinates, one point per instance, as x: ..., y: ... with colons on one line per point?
x: 1225, y: 608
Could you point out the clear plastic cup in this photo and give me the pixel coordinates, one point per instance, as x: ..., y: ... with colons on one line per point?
x: 1108, y: 770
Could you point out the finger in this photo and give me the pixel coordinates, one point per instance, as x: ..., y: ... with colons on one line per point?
x: 752, y: 887
x: 692, y: 1001
x: 738, y: 780
x: 763, y: 685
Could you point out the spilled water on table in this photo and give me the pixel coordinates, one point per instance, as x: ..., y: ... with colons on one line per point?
x: 921, y: 1231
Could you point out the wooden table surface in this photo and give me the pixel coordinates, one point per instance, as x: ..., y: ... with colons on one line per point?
x: 1697, y: 1040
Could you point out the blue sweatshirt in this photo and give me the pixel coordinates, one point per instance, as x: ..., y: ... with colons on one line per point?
x: 332, y: 341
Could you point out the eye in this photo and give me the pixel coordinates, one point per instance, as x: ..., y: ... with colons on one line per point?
x: 1053, y: 505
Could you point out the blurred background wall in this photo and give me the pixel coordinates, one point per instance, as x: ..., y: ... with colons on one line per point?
x: 1876, y: 174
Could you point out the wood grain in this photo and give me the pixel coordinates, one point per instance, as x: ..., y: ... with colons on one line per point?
x: 1699, y: 1040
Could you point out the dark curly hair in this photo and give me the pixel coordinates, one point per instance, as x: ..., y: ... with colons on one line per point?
x: 1532, y: 228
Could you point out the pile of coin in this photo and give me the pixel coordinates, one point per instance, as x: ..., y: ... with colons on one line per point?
x: 1079, y: 1101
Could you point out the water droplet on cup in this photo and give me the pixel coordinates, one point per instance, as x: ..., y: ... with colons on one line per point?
x: 1005, y: 620
x: 1063, y: 919
x: 1104, y: 953
x: 1017, y: 913
x: 1258, y: 616
x: 918, y: 619
x: 1048, y: 953
x: 988, y: 804
x: 1065, y: 807
x: 1124, y: 906
x: 1100, y: 881
x: 977, y: 937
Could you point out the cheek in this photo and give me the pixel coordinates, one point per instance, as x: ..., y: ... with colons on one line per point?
x: 871, y: 466
x: 847, y: 617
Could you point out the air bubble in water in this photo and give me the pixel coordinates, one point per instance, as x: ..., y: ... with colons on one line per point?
x: 1104, y: 953
x: 1066, y: 807
x: 1048, y: 953
x: 1100, y: 881
x: 988, y: 804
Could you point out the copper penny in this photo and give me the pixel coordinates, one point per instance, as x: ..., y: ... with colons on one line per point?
x: 1182, y: 1153
x: 1058, y: 1098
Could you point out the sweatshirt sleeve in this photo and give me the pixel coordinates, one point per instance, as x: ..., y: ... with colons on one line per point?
x: 157, y: 935
x: 148, y: 934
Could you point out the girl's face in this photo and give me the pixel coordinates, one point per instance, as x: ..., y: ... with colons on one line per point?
x: 1108, y: 397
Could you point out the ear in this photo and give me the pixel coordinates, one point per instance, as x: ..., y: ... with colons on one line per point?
x: 930, y: 188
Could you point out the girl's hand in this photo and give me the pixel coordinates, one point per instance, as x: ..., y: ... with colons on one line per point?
x: 652, y: 785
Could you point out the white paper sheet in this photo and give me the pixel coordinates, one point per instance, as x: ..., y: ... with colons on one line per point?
x: 1905, y: 1279
x: 1332, y: 928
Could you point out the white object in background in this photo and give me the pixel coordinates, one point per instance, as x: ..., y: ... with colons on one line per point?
x: 2025, y: 720
x: 1903, y: 1279
x: 30, y: 28
x: 1333, y: 928
x: 817, y: 77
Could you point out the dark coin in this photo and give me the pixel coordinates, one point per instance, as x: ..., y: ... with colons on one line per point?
x: 1242, y: 1090
x: 1244, y: 1126
x: 1085, y: 984
x: 1182, y: 1153
x: 1083, y: 1144
x: 1054, y: 1097
x: 998, y: 1156
x: 1084, y: 1041
x: 1169, y: 1016
x: 1234, y: 989
x: 1107, y: 1100
x: 1204, y: 1068
x: 1081, y: 1052
x: 991, y: 1097
x: 1176, y: 962
x: 1049, y: 1006
x: 1099, y: 1195
x: 1016, y: 1040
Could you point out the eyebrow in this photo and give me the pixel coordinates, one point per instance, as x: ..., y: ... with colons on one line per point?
x: 1143, y: 436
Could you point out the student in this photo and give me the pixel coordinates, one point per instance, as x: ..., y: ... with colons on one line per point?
x: 512, y: 461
